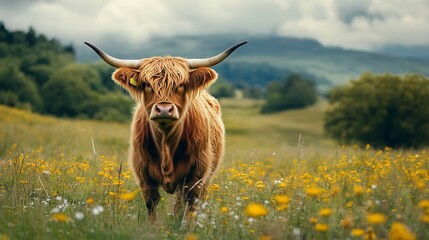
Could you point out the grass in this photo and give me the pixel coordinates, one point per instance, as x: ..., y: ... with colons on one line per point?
x: 53, y: 186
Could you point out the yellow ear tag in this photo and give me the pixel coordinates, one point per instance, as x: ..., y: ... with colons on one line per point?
x: 133, y: 82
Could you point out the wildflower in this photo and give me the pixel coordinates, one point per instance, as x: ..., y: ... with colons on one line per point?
x: 4, y: 237
x: 376, y: 218
x: 256, y: 210
x: 214, y: 187
x: 79, y: 216
x: 260, y: 184
x: 325, y: 212
x: 424, y: 203
x: 313, y: 220
x: 335, y: 190
x: 282, y: 207
x: 357, y: 232
x: 347, y: 222
x: 60, y: 217
x: 425, y: 218
x: 370, y: 234
x: 399, y: 231
x: 313, y: 191
x: 349, y: 204
x: 321, y: 227
x: 358, y: 190
x: 265, y: 237
x: 281, y: 199
x: 89, y: 201
x: 223, y: 209
x: 128, y: 196
x: 191, y: 236
x: 97, y: 210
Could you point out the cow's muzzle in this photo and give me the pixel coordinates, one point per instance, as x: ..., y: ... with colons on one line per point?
x: 164, y: 112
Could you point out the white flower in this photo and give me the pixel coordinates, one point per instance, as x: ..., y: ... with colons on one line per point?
x: 79, y: 216
x: 58, y: 198
x: 296, y: 231
x: 97, y: 210
x: 55, y: 210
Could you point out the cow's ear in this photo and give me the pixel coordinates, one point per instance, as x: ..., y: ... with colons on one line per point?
x: 202, y: 77
x: 126, y: 78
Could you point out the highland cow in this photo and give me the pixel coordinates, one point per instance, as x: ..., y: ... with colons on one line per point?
x: 177, y: 135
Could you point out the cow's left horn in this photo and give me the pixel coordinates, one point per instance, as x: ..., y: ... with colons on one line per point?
x: 208, y: 62
x: 115, y: 62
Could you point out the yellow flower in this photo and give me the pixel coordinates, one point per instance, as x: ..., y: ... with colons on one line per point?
x: 90, y: 201
x: 256, y: 210
x: 265, y: 237
x: 425, y: 218
x: 282, y: 207
x: 260, y: 184
x: 214, y: 187
x: 357, y: 232
x: 321, y: 227
x: 376, y: 218
x: 347, y: 222
x: 313, y: 220
x: 223, y: 209
x: 424, y: 203
x: 60, y: 217
x: 370, y: 235
x: 399, y: 231
x: 358, y: 190
x: 4, y: 237
x: 128, y: 196
x: 313, y: 191
x: 349, y: 204
x: 191, y: 236
x: 281, y: 199
x: 324, y: 212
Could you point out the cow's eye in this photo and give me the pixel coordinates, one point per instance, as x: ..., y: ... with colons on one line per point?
x: 181, y: 88
x: 148, y: 88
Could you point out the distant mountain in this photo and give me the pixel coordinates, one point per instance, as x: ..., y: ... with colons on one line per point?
x: 271, y: 58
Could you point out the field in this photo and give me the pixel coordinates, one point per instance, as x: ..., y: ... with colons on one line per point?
x: 281, y: 178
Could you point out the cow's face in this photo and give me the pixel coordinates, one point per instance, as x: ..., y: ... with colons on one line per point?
x: 164, y: 86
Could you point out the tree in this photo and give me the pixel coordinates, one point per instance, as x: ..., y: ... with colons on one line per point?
x: 382, y: 110
x: 17, y: 90
x: 294, y: 92
x: 222, y: 88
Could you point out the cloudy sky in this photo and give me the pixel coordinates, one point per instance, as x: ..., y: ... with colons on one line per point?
x: 355, y: 24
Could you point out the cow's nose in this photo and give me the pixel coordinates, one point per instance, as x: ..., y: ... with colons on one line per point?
x: 164, y: 110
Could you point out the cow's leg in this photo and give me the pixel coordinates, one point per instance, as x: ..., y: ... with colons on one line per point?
x: 151, y: 197
x: 196, y: 190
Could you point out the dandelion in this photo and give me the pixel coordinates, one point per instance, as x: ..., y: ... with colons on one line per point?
x: 376, y: 218
x: 347, y: 222
x: 313, y: 191
x: 89, y: 201
x: 4, y: 237
x: 223, y: 209
x: 60, y: 217
x: 357, y: 232
x: 79, y: 216
x: 325, y: 212
x: 358, y: 190
x: 191, y: 236
x: 129, y: 196
x: 265, y: 237
x: 370, y: 234
x: 425, y: 218
x: 349, y: 204
x: 424, y: 203
x: 256, y: 210
x: 399, y: 231
x: 281, y: 199
x: 321, y: 227
x: 214, y: 187
x: 282, y: 207
x: 313, y: 220
x: 97, y: 210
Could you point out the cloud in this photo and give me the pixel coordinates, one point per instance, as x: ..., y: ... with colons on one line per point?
x: 363, y: 24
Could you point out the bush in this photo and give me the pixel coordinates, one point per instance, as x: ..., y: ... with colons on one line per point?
x: 382, y: 110
x: 294, y: 92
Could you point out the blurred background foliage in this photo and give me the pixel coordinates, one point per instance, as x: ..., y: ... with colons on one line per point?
x: 42, y: 75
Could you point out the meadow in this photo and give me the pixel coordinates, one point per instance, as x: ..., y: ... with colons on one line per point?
x: 281, y: 178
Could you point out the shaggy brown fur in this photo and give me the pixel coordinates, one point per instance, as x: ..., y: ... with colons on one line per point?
x: 181, y: 156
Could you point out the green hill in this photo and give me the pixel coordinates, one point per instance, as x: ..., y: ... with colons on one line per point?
x: 270, y: 58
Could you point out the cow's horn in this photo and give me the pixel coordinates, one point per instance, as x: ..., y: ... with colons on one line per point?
x: 208, y: 62
x: 115, y: 62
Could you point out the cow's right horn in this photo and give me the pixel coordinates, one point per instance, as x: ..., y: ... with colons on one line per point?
x: 115, y: 62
